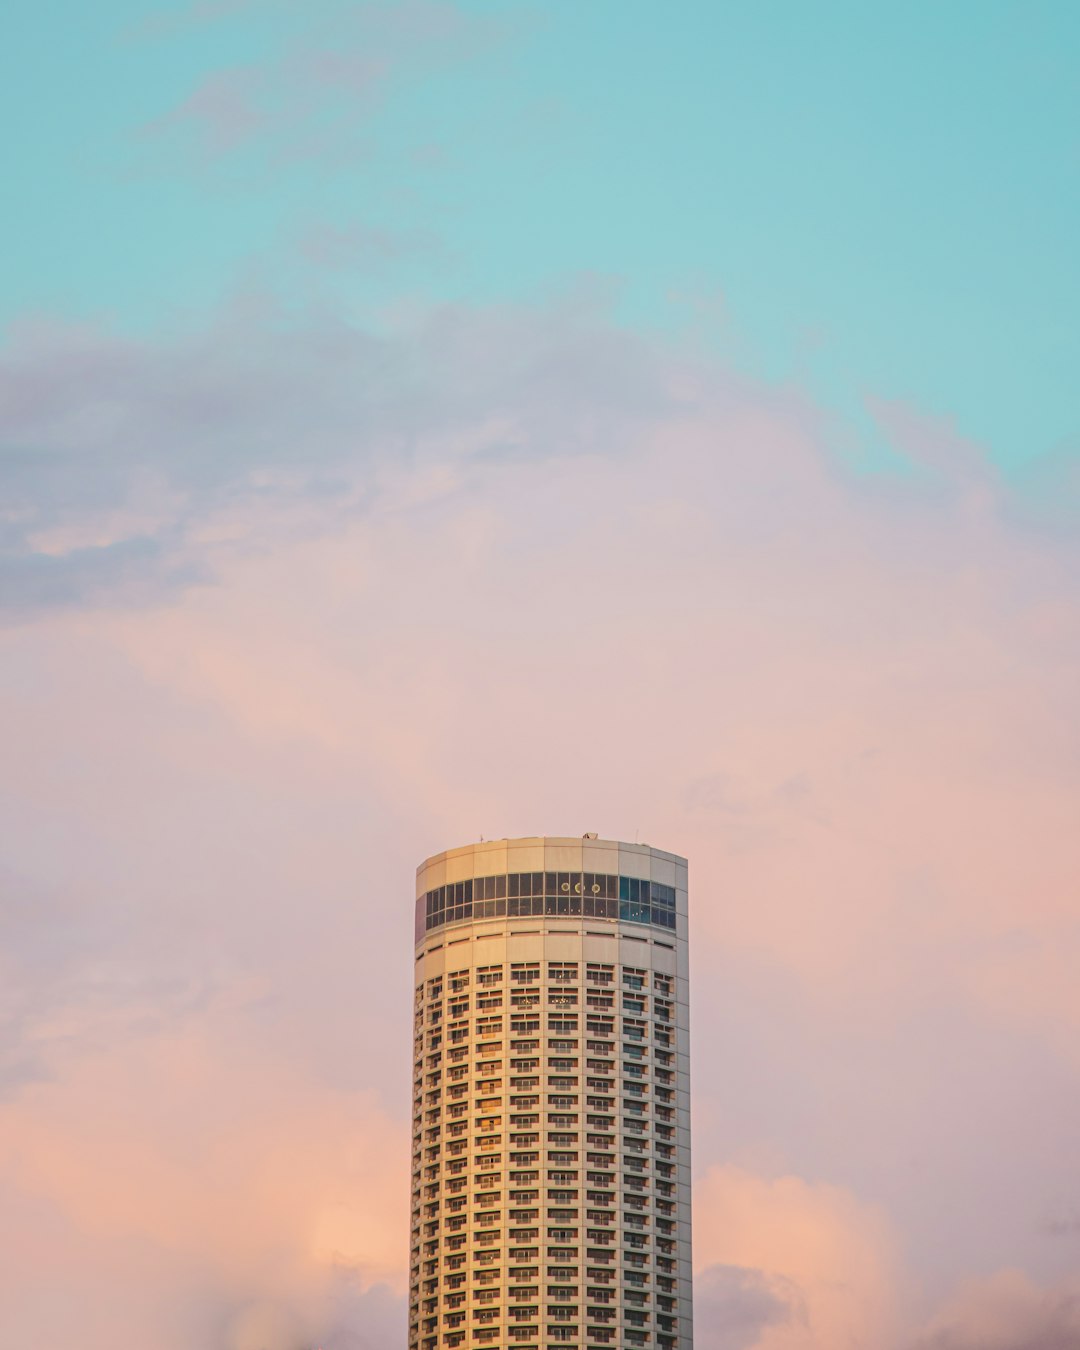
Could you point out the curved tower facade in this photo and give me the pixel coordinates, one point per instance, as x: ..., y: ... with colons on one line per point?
x: 551, y: 1098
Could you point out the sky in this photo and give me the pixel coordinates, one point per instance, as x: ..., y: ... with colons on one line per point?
x: 421, y: 421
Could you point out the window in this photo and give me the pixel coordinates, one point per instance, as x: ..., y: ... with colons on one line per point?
x: 592, y: 895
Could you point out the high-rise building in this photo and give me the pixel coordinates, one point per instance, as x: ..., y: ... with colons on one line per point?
x: 551, y: 1098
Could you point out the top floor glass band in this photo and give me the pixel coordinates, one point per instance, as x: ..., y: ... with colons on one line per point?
x: 591, y: 895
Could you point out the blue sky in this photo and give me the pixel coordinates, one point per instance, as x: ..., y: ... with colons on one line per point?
x: 871, y: 201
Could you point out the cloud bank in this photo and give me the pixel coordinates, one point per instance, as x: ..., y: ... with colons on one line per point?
x: 290, y: 604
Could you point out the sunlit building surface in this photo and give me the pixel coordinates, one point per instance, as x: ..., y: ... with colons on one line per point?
x: 551, y: 1098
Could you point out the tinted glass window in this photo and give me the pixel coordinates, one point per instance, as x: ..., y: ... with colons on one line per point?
x: 591, y: 894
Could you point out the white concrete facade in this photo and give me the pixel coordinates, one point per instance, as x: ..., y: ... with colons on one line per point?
x: 551, y: 1099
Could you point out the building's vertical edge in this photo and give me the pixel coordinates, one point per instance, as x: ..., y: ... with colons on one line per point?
x: 686, y: 1273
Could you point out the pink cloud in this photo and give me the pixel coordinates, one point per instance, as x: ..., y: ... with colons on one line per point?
x: 1007, y: 1311
x: 828, y: 1261
x: 493, y: 573
x: 237, y: 1195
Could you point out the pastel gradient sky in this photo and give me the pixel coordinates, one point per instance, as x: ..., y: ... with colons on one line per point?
x: 421, y: 421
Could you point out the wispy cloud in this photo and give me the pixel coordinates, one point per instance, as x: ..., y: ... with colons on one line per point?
x: 311, y: 101
x: 224, y: 111
x: 116, y: 455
